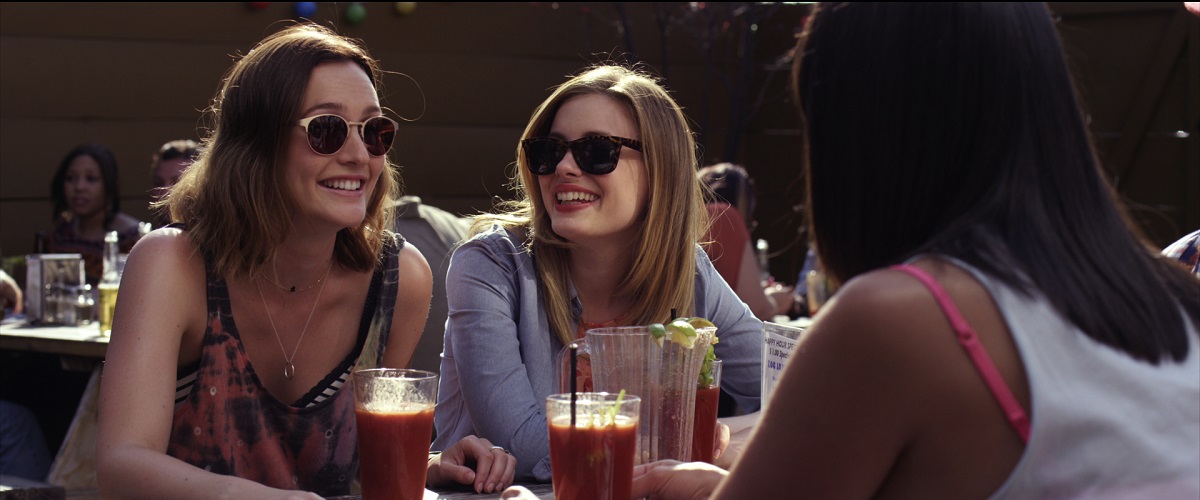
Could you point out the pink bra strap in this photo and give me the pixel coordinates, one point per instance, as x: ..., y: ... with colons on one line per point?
x: 979, y: 357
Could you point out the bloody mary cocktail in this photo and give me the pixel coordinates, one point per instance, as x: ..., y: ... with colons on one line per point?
x: 594, y: 458
x: 394, y: 413
x: 393, y: 452
x: 704, y: 431
x: 708, y: 398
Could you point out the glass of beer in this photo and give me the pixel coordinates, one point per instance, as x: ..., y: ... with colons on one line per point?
x: 394, y: 410
x: 592, y: 454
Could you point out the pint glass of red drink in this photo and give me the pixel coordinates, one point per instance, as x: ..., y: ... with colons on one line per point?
x: 592, y: 458
x: 394, y: 411
x: 704, y: 429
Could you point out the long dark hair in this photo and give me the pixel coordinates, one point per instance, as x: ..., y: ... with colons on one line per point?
x: 108, y: 172
x: 954, y: 129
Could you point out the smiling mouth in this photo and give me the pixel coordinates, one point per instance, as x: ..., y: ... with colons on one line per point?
x: 343, y: 185
x: 574, y: 197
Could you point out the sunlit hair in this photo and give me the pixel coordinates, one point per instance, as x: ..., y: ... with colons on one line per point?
x: 664, y: 266
x: 108, y: 173
x: 953, y: 129
x: 232, y: 199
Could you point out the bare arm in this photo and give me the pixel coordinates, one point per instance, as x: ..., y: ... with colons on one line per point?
x: 412, y: 307
x: 825, y: 416
x: 160, y: 314
x: 493, y: 468
x: 879, y: 399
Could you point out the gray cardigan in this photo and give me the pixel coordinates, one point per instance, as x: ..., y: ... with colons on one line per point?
x: 498, y: 360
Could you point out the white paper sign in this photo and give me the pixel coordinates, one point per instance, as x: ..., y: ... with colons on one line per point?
x: 778, y: 343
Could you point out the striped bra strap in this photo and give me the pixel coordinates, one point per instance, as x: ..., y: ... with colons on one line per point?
x: 1017, y: 417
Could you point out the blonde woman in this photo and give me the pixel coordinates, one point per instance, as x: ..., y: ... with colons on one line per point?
x: 605, y: 234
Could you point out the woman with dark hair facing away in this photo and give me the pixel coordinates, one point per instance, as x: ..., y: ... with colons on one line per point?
x: 87, y: 205
x: 211, y: 387
x: 973, y: 350
x: 605, y: 233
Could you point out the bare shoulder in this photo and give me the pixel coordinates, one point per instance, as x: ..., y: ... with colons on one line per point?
x: 412, y: 260
x: 167, y: 247
x: 416, y: 281
x: 879, y: 306
x: 412, y: 306
x: 414, y: 271
x: 165, y: 263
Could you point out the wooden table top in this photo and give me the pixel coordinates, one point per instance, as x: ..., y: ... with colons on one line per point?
x: 83, y: 340
x: 544, y: 491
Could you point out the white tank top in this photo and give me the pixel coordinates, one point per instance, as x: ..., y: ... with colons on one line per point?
x: 1104, y: 425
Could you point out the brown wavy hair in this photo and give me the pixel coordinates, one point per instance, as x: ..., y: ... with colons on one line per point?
x: 231, y: 199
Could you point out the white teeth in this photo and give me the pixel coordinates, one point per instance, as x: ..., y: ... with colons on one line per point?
x: 574, y: 196
x: 343, y: 184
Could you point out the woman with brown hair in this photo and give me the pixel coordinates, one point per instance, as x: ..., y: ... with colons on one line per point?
x: 237, y: 328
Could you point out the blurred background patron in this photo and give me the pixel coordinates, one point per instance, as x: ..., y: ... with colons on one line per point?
x: 168, y: 163
x: 730, y: 201
x: 87, y: 205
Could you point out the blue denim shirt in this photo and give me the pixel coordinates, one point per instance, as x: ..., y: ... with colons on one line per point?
x: 499, y: 358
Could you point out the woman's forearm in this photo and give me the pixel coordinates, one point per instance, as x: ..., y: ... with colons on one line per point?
x: 134, y: 472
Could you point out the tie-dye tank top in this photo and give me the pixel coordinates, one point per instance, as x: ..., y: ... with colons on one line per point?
x: 229, y: 423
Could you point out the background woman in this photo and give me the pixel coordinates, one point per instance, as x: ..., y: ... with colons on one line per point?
x: 605, y: 234
x: 237, y: 330
x: 1002, y: 329
x: 87, y: 205
x: 730, y: 202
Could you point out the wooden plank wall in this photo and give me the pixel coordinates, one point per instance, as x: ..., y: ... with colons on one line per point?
x: 1137, y: 67
x: 134, y: 75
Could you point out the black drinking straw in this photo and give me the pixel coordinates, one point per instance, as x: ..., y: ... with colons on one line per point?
x: 574, y: 365
x: 673, y: 316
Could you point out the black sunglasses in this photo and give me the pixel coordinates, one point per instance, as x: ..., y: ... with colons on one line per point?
x: 596, y: 155
x: 327, y: 133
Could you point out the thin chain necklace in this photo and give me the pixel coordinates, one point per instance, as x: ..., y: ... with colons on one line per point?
x: 289, y: 369
x: 291, y: 289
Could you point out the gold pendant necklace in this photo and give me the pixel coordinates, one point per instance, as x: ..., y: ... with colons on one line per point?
x: 289, y: 369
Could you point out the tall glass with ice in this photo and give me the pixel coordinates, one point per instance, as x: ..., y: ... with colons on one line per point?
x: 708, y: 400
x: 394, y: 411
x: 662, y: 371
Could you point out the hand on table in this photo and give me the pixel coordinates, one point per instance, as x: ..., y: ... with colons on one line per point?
x: 10, y: 293
x: 671, y: 480
x: 494, y: 467
x: 735, y: 434
x: 722, y: 443
x: 780, y: 295
x: 518, y: 493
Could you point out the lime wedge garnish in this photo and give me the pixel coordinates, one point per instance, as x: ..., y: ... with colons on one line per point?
x: 658, y: 332
x: 700, y: 323
x: 682, y: 333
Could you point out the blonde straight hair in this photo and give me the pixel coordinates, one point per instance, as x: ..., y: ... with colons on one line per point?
x: 664, y: 266
x: 231, y: 199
